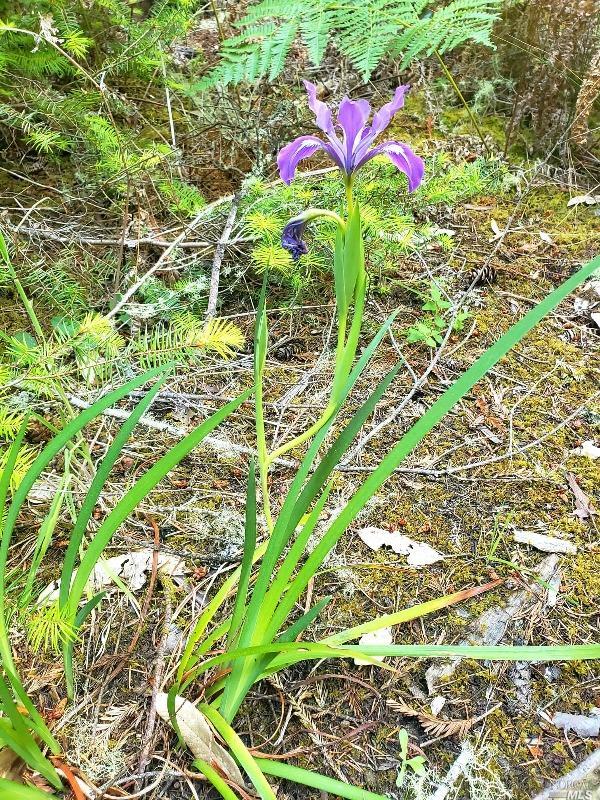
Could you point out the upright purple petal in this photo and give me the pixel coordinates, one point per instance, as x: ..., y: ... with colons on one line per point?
x: 401, y: 157
x: 352, y: 118
x: 383, y: 117
x: 320, y: 109
x: 302, y: 147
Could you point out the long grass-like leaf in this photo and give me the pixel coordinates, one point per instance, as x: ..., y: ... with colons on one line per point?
x: 21, y: 739
x: 93, y: 493
x: 289, y: 516
x: 35, y: 720
x: 432, y: 416
x: 16, y: 791
x: 246, y: 565
x: 265, y: 617
x: 239, y: 750
x: 138, y: 492
x: 305, y: 620
x: 293, y: 652
x: 317, y: 781
x: 408, y: 614
x: 217, y: 781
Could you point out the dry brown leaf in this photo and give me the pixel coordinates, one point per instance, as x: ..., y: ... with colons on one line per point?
x: 438, y: 728
x: 11, y: 766
x: 583, y: 506
x: 199, y: 737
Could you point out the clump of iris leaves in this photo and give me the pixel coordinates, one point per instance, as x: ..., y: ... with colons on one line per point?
x: 251, y: 620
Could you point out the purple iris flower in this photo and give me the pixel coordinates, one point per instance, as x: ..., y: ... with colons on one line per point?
x: 356, y: 145
x: 291, y: 238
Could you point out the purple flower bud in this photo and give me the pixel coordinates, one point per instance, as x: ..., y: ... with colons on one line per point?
x: 291, y: 238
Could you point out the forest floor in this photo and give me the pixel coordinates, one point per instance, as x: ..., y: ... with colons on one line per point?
x: 510, y: 458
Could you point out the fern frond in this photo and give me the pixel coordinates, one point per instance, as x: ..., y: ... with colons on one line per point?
x: 364, y: 31
x: 100, y: 331
x: 48, y: 628
x: 76, y: 43
x: 260, y: 224
x: 271, y: 256
x: 162, y: 345
x: 46, y: 141
x: 182, y: 197
x: 219, y: 335
x: 10, y: 422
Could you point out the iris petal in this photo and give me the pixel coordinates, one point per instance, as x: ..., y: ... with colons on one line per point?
x: 302, y: 147
x: 291, y: 238
x: 402, y: 157
x: 320, y: 109
x: 383, y: 117
x: 352, y: 117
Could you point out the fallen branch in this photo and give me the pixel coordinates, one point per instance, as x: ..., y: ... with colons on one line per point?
x: 220, y: 254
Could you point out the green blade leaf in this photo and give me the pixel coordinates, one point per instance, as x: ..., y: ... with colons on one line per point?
x: 309, y: 778
x: 289, y: 653
x: 432, y: 416
x: 16, y: 791
x: 91, y: 498
x: 140, y: 489
x: 239, y: 750
x: 133, y: 497
x: 353, y: 261
x: 250, y: 535
x: 305, y: 620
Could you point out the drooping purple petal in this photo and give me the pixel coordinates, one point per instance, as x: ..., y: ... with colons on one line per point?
x: 383, y: 117
x: 352, y: 118
x: 291, y: 238
x: 401, y: 157
x: 302, y: 147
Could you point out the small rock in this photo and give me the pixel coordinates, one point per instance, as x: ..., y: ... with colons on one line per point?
x: 552, y: 673
x: 173, y: 639
x: 553, y: 589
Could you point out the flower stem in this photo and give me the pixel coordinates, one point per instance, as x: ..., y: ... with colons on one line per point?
x: 263, y: 457
x: 349, y: 194
x: 314, y: 428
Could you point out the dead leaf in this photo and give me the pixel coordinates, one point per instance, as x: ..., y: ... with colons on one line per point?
x: 548, y: 544
x: 584, y: 199
x: 498, y: 234
x: 132, y: 568
x: 588, y: 449
x: 583, y: 506
x: 198, y: 736
x: 435, y: 727
x: 545, y: 237
x: 11, y: 766
x: 419, y: 553
x: 436, y: 705
x: 382, y: 636
x: 534, y: 745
